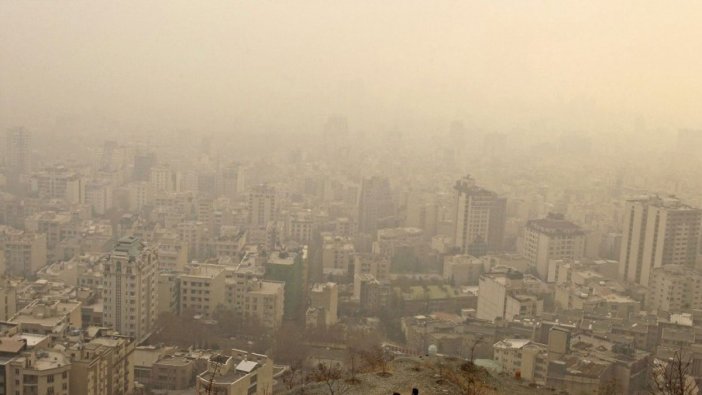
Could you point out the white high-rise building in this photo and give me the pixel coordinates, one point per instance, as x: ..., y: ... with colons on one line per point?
x: 130, y: 288
x: 18, y: 150
x: 479, y: 219
x: 657, y: 231
x: 262, y: 205
x: 549, y: 239
x: 164, y: 179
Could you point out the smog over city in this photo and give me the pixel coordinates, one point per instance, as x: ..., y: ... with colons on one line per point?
x: 350, y: 197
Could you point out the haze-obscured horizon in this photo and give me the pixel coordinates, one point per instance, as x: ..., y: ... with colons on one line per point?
x: 279, y: 67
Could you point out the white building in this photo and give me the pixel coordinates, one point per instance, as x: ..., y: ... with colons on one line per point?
x: 508, y: 295
x: 549, y: 239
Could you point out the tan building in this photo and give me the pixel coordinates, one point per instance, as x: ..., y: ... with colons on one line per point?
x: 300, y: 226
x: 523, y: 357
x: 462, y: 269
x: 240, y: 373
x: 172, y: 254
x: 52, y: 224
x: 130, y: 294
x: 173, y: 372
x: 51, y: 318
x: 479, y: 221
x: 202, y: 289
x: 8, y: 301
x: 393, y: 241
x: 168, y: 293
x: 337, y: 254
x: 508, y: 295
x: 322, y: 310
x: 25, y: 252
x: 102, y: 366
x: 549, y: 239
x: 44, y: 372
x: 657, y: 231
x: 59, y: 183
x: 674, y: 288
x: 376, y: 266
x: 262, y: 205
x: 120, y: 362
x: 261, y: 300
x: 194, y: 233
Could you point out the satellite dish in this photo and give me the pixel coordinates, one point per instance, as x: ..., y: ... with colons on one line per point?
x: 432, y: 350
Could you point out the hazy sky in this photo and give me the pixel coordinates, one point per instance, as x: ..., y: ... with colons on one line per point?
x: 289, y: 64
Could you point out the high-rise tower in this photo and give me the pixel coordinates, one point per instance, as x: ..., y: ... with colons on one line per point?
x: 17, y: 146
x: 480, y: 218
x: 130, y: 288
x: 375, y: 205
x: 657, y: 231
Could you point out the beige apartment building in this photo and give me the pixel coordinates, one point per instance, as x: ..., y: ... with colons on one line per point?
x: 479, y: 218
x: 337, y: 254
x: 50, y: 318
x: 103, y: 366
x: 508, y: 295
x: 674, y: 289
x: 44, y: 372
x: 240, y: 373
x: 254, y: 298
x: 549, y: 239
x: 202, y: 289
x: 168, y: 293
x: 25, y: 252
x: 130, y: 294
x: 657, y: 231
x: 524, y: 356
x: 322, y: 310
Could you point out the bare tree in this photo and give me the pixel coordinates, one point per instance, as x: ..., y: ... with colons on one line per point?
x: 376, y: 357
x: 673, y: 377
x: 610, y: 387
x: 289, y: 377
x: 357, y: 345
x: 476, y: 340
x: 330, y: 374
x: 353, y: 357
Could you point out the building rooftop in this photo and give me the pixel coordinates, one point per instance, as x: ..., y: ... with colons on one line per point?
x: 204, y: 270
x: 512, y: 343
x: 555, y: 224
x: 129, y: 245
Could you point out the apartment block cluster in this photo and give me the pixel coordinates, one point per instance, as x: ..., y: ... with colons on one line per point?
x: 560, y: 287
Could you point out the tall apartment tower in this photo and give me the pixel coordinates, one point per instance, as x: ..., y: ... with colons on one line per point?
x: 130, y: 284
x: 657, y: 231
x: 479, y: 219
x: 143, y: 162
x: 18, y: 143
x: 262, y: 205
x: 231, y: 181
x: 375, y: 205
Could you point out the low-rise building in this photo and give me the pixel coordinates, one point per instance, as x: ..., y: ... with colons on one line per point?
x: 674, y: 288
x: 523, y: 358
x: 38, y: 372
x: 240, y: 373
